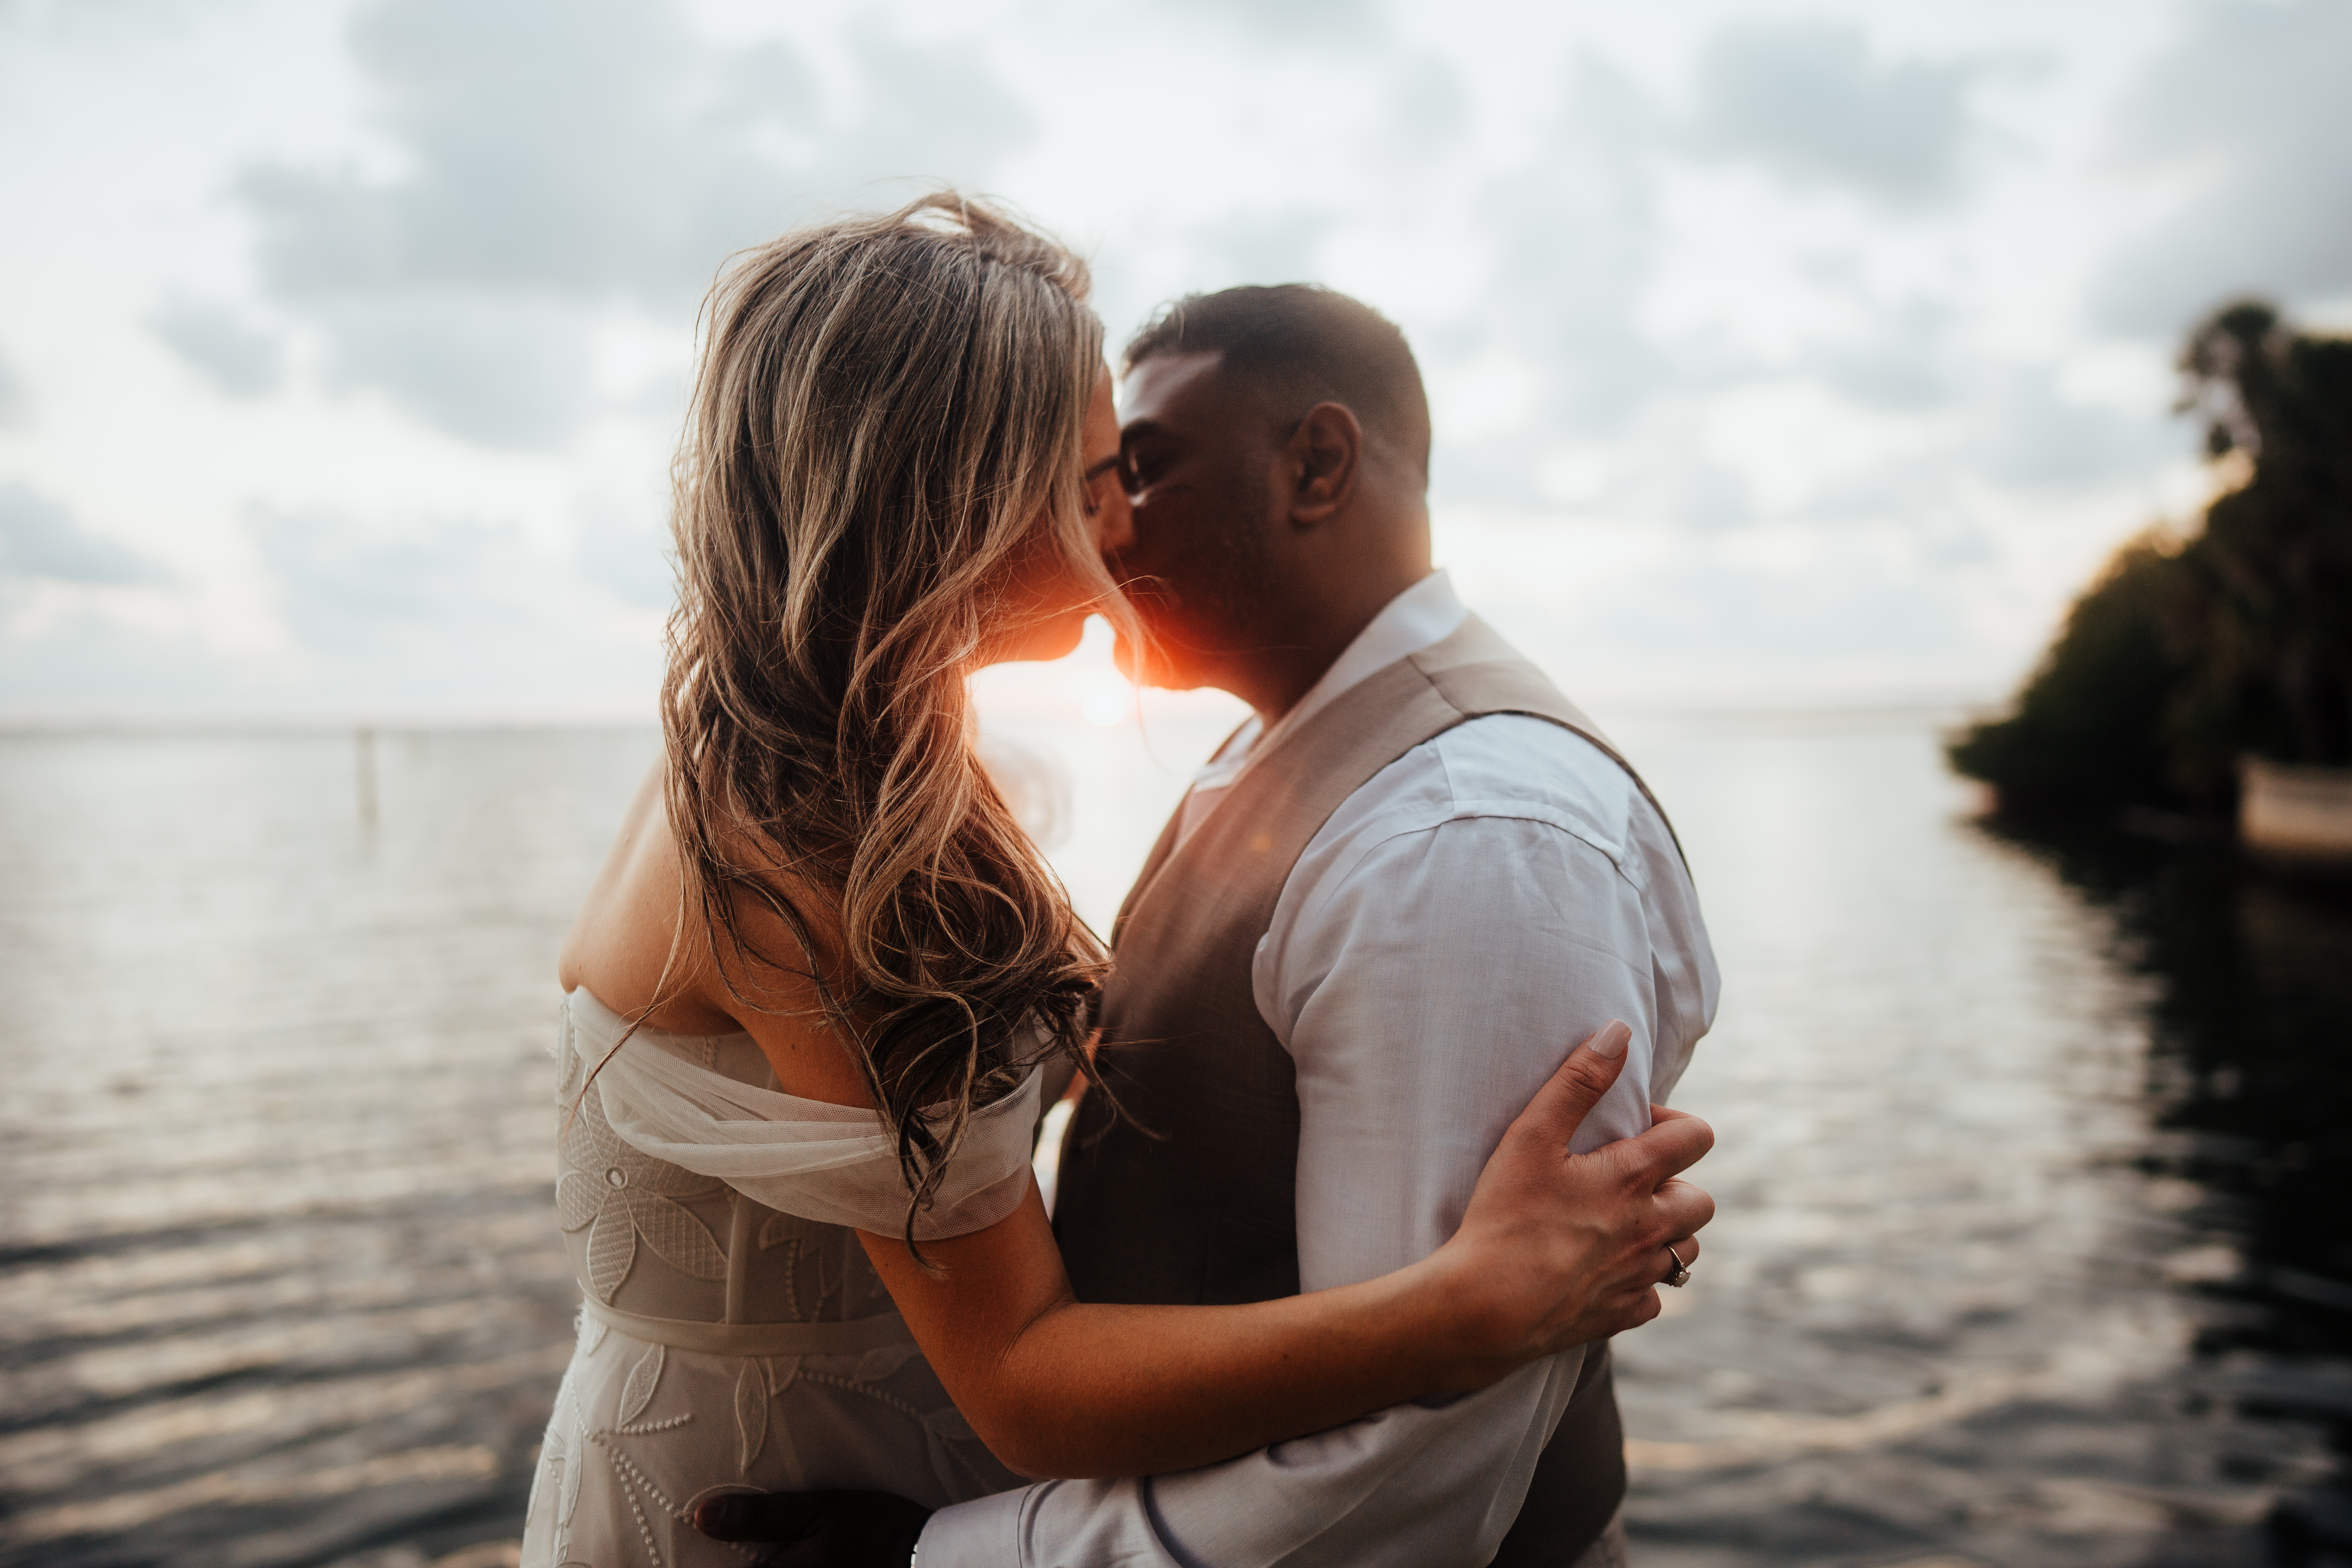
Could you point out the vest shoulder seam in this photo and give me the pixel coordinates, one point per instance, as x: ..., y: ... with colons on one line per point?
x: 1479, y: 810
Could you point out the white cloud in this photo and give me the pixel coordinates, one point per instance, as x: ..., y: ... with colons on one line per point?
x: 2247, y: 124
x: 234, y: 356
x: 458, y: 611
x: 1809, y: 100
x: 15, y: 398
x: 545, y: 177
x: 1827, y: 350
x: 41, y: 541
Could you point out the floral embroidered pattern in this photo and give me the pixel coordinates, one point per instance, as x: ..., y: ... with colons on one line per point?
x: 629, y: 1478
x: 627, y: 1196
x: 564, y: 1451
x: 640, y: 1431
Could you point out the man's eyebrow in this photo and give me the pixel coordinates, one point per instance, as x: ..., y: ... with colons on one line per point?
x: 1136, y: 428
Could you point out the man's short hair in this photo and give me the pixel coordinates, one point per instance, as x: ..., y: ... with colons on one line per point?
x: 1304, y: 345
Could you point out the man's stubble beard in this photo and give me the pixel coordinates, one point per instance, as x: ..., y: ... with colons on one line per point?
x: 1216, y: 600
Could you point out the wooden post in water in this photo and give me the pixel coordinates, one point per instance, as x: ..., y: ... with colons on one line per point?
x: 364, y: 749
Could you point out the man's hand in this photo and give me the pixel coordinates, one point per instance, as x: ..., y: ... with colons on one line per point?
x: 835, y: 1529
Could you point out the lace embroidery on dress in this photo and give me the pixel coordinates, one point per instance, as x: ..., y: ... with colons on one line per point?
x: 641, y: 1431
x: 627, y: 1196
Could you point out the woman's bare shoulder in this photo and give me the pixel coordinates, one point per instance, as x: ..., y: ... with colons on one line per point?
x: 787, y: 934
x: 620, y: 947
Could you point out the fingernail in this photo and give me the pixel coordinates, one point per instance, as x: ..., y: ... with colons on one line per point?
x: 717, y: 1516
x: 1612, y: 1041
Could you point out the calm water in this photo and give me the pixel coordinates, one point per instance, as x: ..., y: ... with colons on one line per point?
x: 2033, y: 1246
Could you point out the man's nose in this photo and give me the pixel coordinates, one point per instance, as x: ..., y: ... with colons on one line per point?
x: 1116, y: 530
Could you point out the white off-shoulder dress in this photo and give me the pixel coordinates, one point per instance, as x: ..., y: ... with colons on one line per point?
x: 731, y: 1331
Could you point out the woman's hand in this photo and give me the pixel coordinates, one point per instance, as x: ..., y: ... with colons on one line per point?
x: 1557, y: 1249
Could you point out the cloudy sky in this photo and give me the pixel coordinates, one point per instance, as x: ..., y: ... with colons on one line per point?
x: 1780, y: 354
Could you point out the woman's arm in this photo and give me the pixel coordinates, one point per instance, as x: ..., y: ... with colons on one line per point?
x: 1555, y: 1250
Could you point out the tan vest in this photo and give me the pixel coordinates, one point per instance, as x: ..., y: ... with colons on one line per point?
x: 1187, y: 1197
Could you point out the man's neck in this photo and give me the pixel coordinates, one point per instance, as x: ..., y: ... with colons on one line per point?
x: 1277, y: 687
x: 1274, y: 680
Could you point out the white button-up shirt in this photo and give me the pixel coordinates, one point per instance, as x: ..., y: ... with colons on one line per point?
x: 1463, y: 919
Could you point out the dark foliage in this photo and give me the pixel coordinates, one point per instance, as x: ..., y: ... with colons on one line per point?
x: 2274, y: 674
x: 2177, y: 662
x: 2089, y: 730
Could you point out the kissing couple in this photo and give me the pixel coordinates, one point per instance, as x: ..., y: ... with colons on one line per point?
x: 1342, y: 1222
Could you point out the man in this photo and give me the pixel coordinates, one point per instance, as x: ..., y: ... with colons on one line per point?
x: 1349, y: 960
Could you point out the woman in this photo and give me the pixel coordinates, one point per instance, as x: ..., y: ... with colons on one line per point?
x: 823, y: 987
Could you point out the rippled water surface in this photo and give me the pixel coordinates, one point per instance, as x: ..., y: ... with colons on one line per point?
x: 2032, y: 1246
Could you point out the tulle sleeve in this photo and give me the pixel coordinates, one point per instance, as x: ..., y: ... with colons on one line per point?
x: 833, y: 1163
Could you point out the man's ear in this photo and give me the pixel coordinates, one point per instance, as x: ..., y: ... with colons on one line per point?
x: 1323, y: 455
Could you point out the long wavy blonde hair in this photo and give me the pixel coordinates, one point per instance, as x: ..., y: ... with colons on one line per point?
x: 885, y: 422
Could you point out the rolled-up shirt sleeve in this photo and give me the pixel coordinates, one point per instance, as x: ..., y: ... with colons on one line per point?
x: 1433, y: 959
